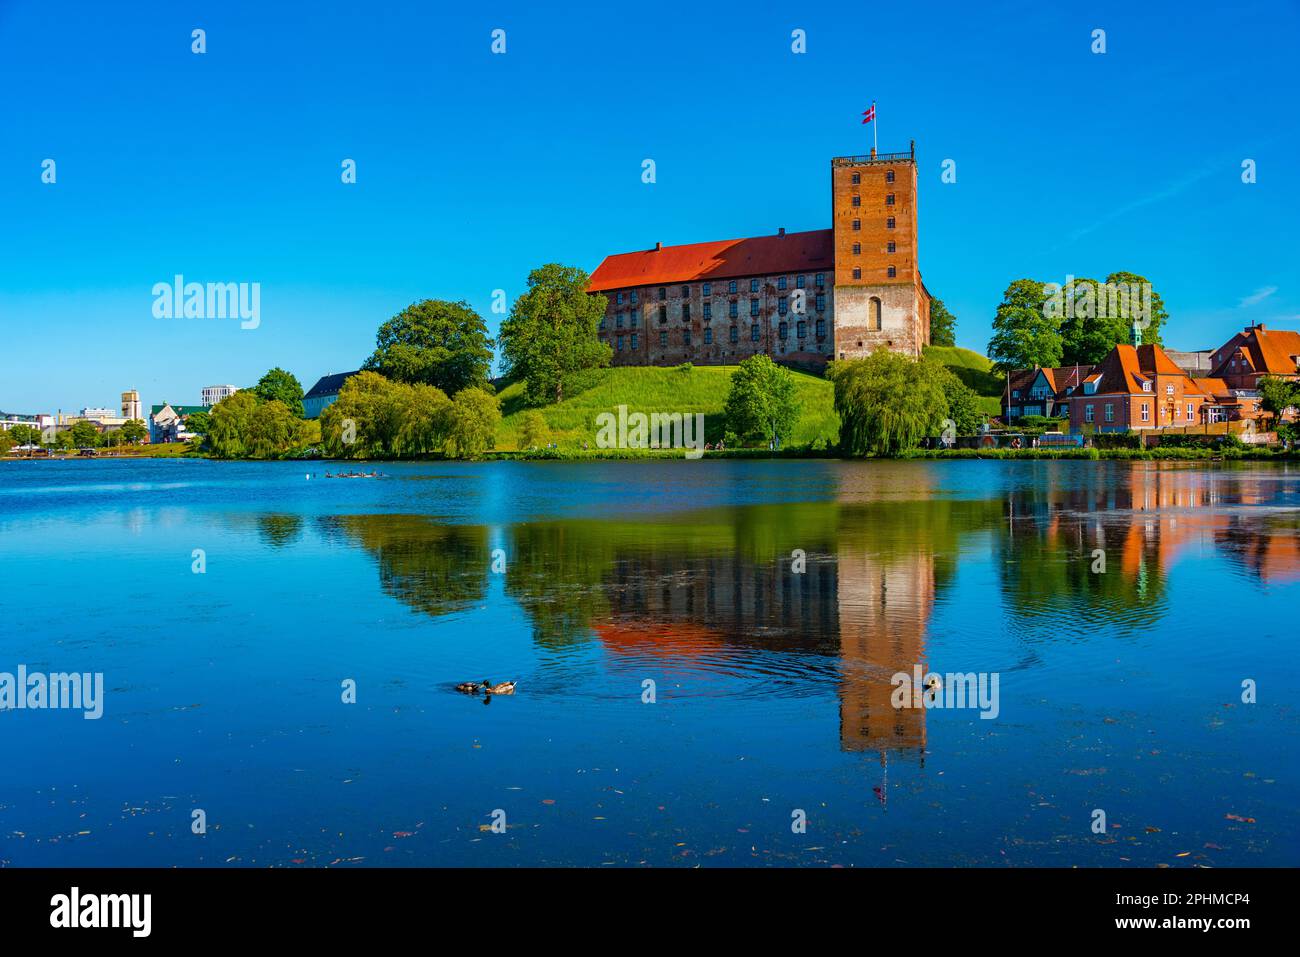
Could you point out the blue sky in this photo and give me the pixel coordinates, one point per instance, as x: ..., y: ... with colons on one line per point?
x: 473, y: 168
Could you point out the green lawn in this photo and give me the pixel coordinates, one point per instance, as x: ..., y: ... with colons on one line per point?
x: 644, y: 389
x: 976, y: 371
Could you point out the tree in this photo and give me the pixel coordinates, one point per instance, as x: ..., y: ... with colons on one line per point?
x: 63, y: 439
x: 762, y: 400
x: 198, y: 422
x: 7, y: 441
x: 1276, y: 397
x: 551, y: 332
x: 1023, y: 335
x: 280, y: 386
x: 435, y: 342
x: 374, y: 417
x: 475, y: 415
x: 887, y: 402
x: 943, y: 325
x: 533, y: 430
x: 85, y: 435
x: 24, y: 434
x: 230, y: 425
x: 963, y: 403
x: 133, y: 431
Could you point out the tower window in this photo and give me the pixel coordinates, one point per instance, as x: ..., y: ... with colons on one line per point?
x: 889, y: 176
x: 891, y: 248
x: 873, y: 314
x: 893, y: 272
x: 857, y: 200
x: 857, y: 224
x: 857, y: 178
x: 889, y: 223
x: 857, y: 249
x: 857, y: 273
x: 889, y: 199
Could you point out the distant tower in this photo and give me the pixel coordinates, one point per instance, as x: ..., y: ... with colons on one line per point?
x: 131, y: 405
x: 879, y: 297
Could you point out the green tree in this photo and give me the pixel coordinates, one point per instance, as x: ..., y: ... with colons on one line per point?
x: 887, y: 402
x: 474, y: 417
x: 1023, y: 335
x: 63, y: 439
x: 85, y: 435
x: 1276, y: 397
x: 762, y: 400
x: 280, y: 386
x: 7, y: 441
x: 376, y: 418
x: 943, y: 325
x: 551, y: 333
x: 230, y: 425
x: 198, y: 422
x: 435, y: 342
x: 133, y: 431
x: 24, y: 434
x: 963, y: 403
x: 533, y: 430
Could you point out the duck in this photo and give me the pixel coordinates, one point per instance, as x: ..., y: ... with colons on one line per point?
x: 505, y: 687
x: 471, y: 687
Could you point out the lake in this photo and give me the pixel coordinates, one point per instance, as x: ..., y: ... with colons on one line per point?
x: 705, y: 653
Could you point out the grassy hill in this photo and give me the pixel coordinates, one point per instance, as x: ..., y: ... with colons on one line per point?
x: 644, y: 389
x: 976, y: 371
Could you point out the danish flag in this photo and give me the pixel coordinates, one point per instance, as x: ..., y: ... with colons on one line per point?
x: 869, y: 114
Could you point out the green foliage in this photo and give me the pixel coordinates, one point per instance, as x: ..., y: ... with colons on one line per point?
x: 24, y: 434
x: 133, y: 431
x: 434, y: 342
x: 198, y: 422
x: 475, y: 415
x: 63, y: 439
x: 963, y: 403
x: 1023, y: 337
x: 85, y: 435
x: 943, y: 325
x: 551, y: 333
x: 762, y: 401
x: 532, y: 430
x: 244, y: 426
x: 887, y: 402
x: 7, y: 441
x: 279, y: 386
x: 374, y: 417
x: 1277, y: 395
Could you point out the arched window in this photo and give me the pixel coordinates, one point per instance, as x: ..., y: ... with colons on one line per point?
x: 874, y: 315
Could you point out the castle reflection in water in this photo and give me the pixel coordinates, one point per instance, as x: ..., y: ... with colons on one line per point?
x: 716, y: 595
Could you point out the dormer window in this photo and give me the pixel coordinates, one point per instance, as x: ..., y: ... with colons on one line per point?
x: 1146, y: 386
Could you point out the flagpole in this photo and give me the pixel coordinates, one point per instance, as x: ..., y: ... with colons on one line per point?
x: 875, y: 129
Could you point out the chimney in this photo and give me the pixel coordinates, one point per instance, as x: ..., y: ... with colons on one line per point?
x: 658, y: 246
x: 781, y: 231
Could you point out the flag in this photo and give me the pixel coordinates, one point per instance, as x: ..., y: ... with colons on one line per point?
x: 869, y: 114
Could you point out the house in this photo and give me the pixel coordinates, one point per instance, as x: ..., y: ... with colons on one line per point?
x: 322, y: 395
x: 1040, y: 391
x: 1254, y: 353
x: 1137, y: 387
x: 167, y: 422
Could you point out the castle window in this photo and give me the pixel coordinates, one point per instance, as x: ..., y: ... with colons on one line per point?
x: 801, y: 329
x: 753, y: 332
x: 706, y: 289
x: 731, y: 286
x: 686, y: 337
x: 708, y: 311
x: 663, y: 338
x: 735, y: 334
x: 753, y: 285
x: 636, y: 317
x: 873, y: 314
x: 857, y: 200
x: 782, y: 306
x: 893, y: 271
x: 821, y: 302
x: 783, y: 330
x: 857, y: 178
x: 891, y: 248
x: 708, y: 337
x: 857, y: 272
x: 686, y: 292
x: 620, y: 343
x: 821, y: 328
x: 733, y: 309
x: 634, y: 340
x: 634, y: 297
x: 620, y: 299
x: 663, y: 293
x: 663, y: 313
x: 857, y: 224
x: 618, y: 320
x: 857, y: 249
x: 686, y: 312
x: 799, y: 281
x: 753, y: 307
x: 889, y: 176
x: 889, y: 223
x: 820, y: 279
x: 782, y: 283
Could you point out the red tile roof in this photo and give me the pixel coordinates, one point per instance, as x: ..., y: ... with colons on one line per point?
x: 1126, y: 367
x: 730, y: 258
x: 1268, y: 351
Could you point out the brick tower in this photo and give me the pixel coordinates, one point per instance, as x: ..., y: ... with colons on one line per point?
x: 879, y: 299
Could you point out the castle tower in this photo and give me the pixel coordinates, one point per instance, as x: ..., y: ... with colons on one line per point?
x: 879, y: 299
x: 131, y: 405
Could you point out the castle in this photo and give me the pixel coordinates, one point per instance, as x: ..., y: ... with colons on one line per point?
x: 802, y: 298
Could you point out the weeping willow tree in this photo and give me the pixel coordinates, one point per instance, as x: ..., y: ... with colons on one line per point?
x: 887, y: 402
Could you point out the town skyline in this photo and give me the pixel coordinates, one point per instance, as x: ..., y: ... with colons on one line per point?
x: 542, y: 158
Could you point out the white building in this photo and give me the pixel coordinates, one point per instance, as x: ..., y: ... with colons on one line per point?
x: 212, y: 394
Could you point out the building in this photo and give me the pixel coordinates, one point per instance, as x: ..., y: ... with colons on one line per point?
x: 322, y: 395
x: 1254, y: 353
x: 805, y: 297
x: 1195, y: 364
x: 39, y: 420
x: 131, y: 408
x: 1133, y: 388
x: 167, y: 422
x: 212, y: 394
x: 1041, y: 391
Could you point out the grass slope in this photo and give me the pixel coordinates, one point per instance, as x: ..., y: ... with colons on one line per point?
x: 645, y: 389
x: 976, y: 371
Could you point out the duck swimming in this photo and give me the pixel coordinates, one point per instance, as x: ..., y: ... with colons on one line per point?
x: 505, y: 687
x: 471, y: 687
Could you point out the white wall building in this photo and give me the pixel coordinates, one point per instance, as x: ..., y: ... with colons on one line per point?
x: 212, y: 394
